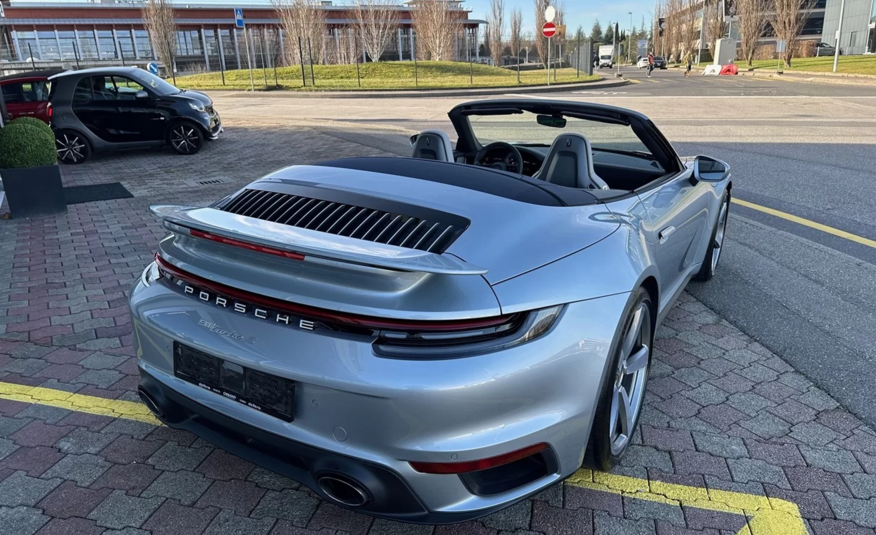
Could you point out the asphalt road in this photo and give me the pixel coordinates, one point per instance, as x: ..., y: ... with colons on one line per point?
x: 802, y: 148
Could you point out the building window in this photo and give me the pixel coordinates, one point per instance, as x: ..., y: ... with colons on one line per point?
x: 189, y: 43
x: 144, y: 47
x: 106, y: 45
x: 87, y: 45
x: 68, y: 44
x: 48, y: 45
x: 125, y: 43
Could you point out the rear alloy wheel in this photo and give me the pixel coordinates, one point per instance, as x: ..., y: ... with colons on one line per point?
x: 71, y: 147
x: 623, y: 395
x: 185, y: 138
x: 716, y: 245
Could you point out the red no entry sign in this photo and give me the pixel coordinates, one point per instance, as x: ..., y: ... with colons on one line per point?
x: 549, y: 29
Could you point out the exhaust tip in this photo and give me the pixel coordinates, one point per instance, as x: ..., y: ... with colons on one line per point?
x: 344, y: 491
x: 150, y: 403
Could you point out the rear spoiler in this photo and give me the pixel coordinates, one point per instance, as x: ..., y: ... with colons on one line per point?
x: 309, y: 245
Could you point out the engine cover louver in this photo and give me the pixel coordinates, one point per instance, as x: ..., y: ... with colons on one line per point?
x: 390, y: 223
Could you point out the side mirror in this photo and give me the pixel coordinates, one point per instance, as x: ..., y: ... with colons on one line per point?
x: 414, y: 139
x: 710, y: 169
x: 141, y: 95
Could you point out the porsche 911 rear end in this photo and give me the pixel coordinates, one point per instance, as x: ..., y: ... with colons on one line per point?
x: 335, y: 337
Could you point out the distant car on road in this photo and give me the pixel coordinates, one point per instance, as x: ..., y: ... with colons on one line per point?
x: 825, y: 49
x: 114, y: 108
x: 27, y: 94
x: 659, y: 62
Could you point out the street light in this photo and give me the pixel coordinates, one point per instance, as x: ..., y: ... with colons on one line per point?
x: 630, y: 38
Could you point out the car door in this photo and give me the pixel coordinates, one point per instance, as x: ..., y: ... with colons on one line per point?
x: 13, y: 99
x: 94, y: 104
x: 27, y: 98
x: 139, y: 118
x: 678, y: 211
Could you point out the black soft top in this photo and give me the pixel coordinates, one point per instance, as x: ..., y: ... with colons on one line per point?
x: 482, y: 179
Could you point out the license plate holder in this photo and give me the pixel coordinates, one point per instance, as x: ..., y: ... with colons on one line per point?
x: 258, y: 390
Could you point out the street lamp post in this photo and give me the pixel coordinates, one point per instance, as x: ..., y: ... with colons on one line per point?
x: 630, y: 39
x: 839, y: 35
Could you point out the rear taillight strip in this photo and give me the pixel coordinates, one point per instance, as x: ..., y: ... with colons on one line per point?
x: 356, y: 320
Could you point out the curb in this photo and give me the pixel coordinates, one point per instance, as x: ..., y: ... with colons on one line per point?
x: 811, y: 76
x: 426, y: 93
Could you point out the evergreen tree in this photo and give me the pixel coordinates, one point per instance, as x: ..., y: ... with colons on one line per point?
x: 608, y: 37
x: 596, y: 33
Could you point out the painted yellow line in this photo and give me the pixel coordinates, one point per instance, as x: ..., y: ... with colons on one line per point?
x: 807, y: 223
x: 114, y: 408
x: 765, y: 516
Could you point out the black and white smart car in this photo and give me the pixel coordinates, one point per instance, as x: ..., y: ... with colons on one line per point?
x: 104, y: 109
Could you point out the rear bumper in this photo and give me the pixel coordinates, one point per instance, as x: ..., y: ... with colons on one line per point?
x: 366, y: 417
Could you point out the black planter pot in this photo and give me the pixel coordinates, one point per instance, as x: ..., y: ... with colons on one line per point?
x: 34, y: 191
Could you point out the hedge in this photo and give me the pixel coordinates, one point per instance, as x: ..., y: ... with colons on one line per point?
x: 27, y: 142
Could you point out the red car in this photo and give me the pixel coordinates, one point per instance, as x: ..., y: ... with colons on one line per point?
x: 26, y: 94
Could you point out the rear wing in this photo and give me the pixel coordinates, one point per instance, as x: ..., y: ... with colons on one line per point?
x: 309, y: 245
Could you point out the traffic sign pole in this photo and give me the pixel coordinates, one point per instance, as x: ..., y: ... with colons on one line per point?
x: 549, y: 61
x: 548, y: 30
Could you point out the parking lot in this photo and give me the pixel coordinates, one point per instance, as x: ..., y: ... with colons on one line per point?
x: 758, y: 418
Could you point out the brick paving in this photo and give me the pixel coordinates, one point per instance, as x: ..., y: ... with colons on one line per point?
x: 723, y: 413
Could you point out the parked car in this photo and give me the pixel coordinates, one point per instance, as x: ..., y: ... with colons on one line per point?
x: 825, y: 49
x: 114, y: 108
x: 27, y: 94
x: 659, y: 62
x: 433, y: 338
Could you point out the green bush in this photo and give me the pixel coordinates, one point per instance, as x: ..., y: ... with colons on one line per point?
x: 27, y: 142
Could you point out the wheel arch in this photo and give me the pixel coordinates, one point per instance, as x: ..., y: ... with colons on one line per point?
x: 83, y: 135
x: 185, y: 120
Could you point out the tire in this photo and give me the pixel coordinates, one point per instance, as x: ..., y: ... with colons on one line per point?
x: 72, y: 147
x: 185, y: 138
x: 716, y: 243
x: 612, y: 433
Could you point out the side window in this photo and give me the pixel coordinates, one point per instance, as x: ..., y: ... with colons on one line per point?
x: 11, y: 93
x: 35, y: 91
x: 125, y: 88
x: 83, y: 93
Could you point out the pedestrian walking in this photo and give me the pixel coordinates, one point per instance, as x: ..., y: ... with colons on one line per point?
x: 687, y: 71
x: 650, y: 63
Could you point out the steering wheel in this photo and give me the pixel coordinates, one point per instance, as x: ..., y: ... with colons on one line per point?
x: 511, y: 161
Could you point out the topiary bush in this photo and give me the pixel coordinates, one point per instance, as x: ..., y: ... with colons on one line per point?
x: 27, y: 142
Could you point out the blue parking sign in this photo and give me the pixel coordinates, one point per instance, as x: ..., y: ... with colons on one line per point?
x: 153, y: 67
x: 238, y: 17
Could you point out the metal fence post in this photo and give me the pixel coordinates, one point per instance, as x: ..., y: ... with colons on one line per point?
x: 310, y: 58
x: 262, y: 52
x: 32, y: 61
x: 76, y: 53
x: 301, y: 57
x: 358, y: 75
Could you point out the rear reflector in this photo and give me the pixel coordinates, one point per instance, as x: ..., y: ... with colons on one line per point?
x: 245, y: 245
x: 481, y: 464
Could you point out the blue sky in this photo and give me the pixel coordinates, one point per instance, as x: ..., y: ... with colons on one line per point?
x: 581, y: 12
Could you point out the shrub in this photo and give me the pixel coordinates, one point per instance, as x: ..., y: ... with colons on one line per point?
x: 27, y: 142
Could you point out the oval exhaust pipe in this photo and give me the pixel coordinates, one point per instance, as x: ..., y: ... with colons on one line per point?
x: 343, y: 490
x: 150, y: 403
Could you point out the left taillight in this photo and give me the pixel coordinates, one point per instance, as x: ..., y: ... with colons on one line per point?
x: 49, y: 111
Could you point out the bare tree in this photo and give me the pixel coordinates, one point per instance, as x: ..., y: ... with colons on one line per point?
x: 752, y: 23
x: 688, y: 17
x: 159, y: 19
x: 516, y: 27
x: 541, y: 42
x: 713, y: 22
x: 437, y: 24
x: 376, y: 22
x: 302, y: 21
x: 787, y: 20
x: 496, y: 30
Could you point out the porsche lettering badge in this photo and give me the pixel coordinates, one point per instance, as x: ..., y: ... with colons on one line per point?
x: 244, y: 308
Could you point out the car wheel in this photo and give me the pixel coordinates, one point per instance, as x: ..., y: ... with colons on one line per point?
x: 71, y: 146
x: 716, y: 244
x: 185, y: 138
x: 623, y: 394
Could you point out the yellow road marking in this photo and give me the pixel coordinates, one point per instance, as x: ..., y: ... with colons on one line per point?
x: 114, y: 408
x: 768, y: 516
x: 807, y: 223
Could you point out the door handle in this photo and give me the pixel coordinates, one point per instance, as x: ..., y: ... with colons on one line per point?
x: 665, y: 233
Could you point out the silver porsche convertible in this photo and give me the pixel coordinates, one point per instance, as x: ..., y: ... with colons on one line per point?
x: 431, y: 339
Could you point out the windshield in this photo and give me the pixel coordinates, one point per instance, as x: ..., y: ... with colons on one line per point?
x: 523, y: 129
x: 157, y: 84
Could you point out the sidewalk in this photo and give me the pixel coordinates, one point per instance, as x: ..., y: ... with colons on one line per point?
x: 732, y: 441
x: 433, y: 93
x: 807, y: 76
